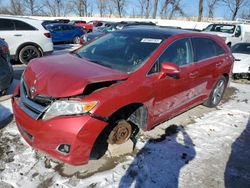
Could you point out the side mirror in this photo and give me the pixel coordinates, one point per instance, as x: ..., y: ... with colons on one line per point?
x: 170, y: 70
x: 237, y: 34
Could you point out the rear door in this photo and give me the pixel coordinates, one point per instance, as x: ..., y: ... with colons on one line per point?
x: 209, y: 57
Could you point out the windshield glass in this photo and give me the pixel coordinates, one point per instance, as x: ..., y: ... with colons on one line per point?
x: 243, y: 48
x: 221, y: 28
x: 125, y: 51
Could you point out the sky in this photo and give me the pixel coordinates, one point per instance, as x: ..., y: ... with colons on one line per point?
x: 190, y: 7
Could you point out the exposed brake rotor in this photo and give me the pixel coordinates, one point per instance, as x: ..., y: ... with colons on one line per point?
x: 121, y: 133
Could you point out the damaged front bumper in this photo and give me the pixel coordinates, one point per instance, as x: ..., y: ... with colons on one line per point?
x: 67, y: 138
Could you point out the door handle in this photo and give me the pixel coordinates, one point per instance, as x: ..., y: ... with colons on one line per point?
x: 18, y: 35
x: 193, y: 74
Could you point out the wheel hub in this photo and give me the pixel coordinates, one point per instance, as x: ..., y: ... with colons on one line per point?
x: 121, y: 133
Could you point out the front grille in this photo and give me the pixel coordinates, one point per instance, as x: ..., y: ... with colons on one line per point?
x: 34, y: 107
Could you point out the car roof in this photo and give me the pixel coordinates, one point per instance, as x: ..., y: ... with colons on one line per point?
x: 35, y: 23
x: 56, y: 24
x: 162, y: 32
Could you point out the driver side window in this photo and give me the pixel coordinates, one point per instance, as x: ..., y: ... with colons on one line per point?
x: 179, y: 53
x: 238, y: 31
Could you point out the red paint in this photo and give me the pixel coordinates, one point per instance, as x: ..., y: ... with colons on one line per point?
x: 67, y: 75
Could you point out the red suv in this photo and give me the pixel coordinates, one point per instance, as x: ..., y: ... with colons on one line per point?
x: 72, y: 106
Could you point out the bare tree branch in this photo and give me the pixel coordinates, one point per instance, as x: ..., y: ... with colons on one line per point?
x: 211, y: 6
x: 120, y: 6
x: 155, y: 9
x: 235, y: 5
x: 200, y: 10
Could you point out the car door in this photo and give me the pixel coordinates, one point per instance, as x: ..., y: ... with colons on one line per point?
x: 68, y: 32
x: 10, y: 35
x: 57, y: 33
x: 171, y: 93
x: 209, y: 56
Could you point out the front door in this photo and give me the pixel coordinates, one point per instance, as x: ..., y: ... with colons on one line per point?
x: 172, y: 93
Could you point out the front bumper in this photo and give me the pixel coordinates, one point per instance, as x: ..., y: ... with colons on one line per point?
x: 80, y: 132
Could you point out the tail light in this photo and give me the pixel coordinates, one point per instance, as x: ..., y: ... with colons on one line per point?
x: 47, y: 35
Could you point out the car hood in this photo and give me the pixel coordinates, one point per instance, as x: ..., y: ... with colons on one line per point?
x: 66, y: 75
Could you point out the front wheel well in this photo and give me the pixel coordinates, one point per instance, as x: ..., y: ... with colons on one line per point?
x: 135, y: 114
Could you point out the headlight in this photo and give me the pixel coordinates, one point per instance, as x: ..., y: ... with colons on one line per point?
x: 69, y: 107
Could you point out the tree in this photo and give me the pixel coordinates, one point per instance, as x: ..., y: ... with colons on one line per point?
x: 16, y: 7
x: 234, y: 6
x: 200, y: 10
x: 58, y: 7
x: 120, y: 6
x: 81, y: 7
x: 155, y: 9
x: 102, y: 6
x: 33, y: 7
x: 164, y: 8
x: 211, y: 6
x: 147, y: 9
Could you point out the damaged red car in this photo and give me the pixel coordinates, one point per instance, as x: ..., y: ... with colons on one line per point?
x: 72, y: 106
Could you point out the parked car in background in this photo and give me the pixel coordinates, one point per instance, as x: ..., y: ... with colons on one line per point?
x: 104, y: 92
x: 93, y: 35
x: 123, y: 24
x: 80, y: 23
x: 65, y: 33
x: 109, y: 27
x: 241, y: 53
x: 27, y: 38
x: 6, y: 71
x: 62, y: 20
x: 231, y: 33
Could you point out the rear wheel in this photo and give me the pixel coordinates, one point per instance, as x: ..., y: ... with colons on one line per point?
x: 217, y: 93
x: 27, y: 53
x: 76, y: 40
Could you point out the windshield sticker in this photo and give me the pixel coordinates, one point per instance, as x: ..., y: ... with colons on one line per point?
x: 150, y: 40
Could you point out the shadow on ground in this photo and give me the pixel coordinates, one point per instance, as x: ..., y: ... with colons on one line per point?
x: 159, y: 163
x: 237, y: 173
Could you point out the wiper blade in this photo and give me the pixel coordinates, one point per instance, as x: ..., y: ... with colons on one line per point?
x: 78, y: 55
x: 99, y: 63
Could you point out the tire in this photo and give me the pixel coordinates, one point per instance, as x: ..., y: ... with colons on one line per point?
x: 76, y: 40
x: 217, y: 93
x: 27, y: 53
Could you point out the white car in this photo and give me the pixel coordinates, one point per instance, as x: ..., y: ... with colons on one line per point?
x: 241, y: 53
x: 27, y: 38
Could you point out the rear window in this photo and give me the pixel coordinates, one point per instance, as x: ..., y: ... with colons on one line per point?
x: 6, y: 25
x: 19, y: 25
x: 206, y: 48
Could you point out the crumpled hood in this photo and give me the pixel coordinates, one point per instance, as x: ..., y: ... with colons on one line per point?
x: 241, y: 63
x: 66, y: 75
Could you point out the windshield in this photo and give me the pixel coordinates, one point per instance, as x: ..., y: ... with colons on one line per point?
x: 243, y: 48
x: 221, y: 28
x: 125, y: 51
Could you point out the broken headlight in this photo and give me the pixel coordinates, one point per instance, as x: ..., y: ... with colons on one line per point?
x: 69, y: 107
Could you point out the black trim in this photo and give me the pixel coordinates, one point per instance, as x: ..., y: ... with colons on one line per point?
x: 102, y: 118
